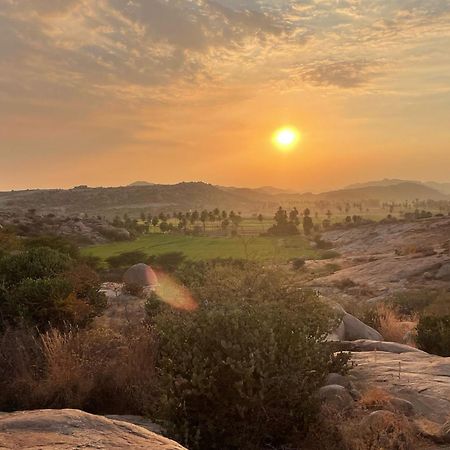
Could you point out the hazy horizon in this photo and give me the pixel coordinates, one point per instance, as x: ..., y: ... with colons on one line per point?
x: 299, y: 190
x: 107, y: 92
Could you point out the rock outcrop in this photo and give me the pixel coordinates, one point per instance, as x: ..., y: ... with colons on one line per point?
x: 140, y: 275
x: 68, y: 429
x: 415, y: 376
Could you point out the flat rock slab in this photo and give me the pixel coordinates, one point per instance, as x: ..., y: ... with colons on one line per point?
x: 69, y: 429
x: 418, y: 377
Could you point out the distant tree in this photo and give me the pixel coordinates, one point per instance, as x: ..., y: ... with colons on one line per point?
x: 164, y: 227
x: 293, y: 216
x: 143, y: 216
x: 203, y: 218
x: 155, y: 221
x: 195, y: 216
x: 283, y: 226
x: 308, y: 224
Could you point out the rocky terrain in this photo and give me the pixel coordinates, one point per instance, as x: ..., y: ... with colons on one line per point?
x: 70, y: 429
x: 79, y: 228
x: 382, y: 258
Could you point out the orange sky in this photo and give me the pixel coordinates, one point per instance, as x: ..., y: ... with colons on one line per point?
x: 108, y: 92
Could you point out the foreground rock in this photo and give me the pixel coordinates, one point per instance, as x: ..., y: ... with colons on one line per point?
x: 420, y: 378
x: 69, y: 429
x: 351, y: 329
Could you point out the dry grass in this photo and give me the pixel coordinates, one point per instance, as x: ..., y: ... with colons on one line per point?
x: 95, y: 370
x: 392, y: 326
x: 374, y: 397
x: 356, y: 431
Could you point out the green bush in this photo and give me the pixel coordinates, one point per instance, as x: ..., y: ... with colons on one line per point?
x: 298, y: 263
x: 127, y: 259
x: 169, y: 261
x: 330, y: 254
x: 44, y: 288
x: 433, y: 334
x: 241, y: 371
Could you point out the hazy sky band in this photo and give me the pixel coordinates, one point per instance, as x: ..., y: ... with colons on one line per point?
x: 109, y: 91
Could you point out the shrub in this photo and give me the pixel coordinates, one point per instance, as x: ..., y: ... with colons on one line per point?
x: 42, y: 288
x: 127, y: 259
x: 35, y: 263
x: 238, y: 373
x: 95, y: 370
x: 322, y: 244
x: 344, y: 283
x: 298, y: 263
x: 57, y: 243
x: 330, y: 254
x: 169, y: 261
x: 433, y: 334
x: 133, y: 289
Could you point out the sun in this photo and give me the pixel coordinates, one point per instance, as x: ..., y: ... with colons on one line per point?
x: 286, y: 138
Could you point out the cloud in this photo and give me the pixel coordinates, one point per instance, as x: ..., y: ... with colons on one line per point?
x: 341, y: 74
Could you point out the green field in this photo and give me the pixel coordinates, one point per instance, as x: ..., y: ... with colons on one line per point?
x: 277, y: 249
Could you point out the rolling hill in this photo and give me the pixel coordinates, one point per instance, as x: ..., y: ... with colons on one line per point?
x: 184, y: 196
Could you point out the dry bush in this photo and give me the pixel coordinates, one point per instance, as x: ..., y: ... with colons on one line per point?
x: 392, y: 326
x: 387, y: 432
x: 374, y: 397
x: 355, y: 431
x: 95, y: 370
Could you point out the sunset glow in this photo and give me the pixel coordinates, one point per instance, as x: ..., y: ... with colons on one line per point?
x: 102, y: 93
x: 286, y: 138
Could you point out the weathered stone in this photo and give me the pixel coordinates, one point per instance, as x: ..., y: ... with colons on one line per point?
x: 365, y: 345
x: 418, y: 377
x: 336, y: 378
x: 67, y: 429
x: 402, y: 406
x: 140, y: 275
x: 355, y: 329
x: 335, y: 396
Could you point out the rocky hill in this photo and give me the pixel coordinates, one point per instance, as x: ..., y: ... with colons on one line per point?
x: 197, y: 195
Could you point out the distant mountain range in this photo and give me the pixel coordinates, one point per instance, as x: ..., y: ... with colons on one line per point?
x: 444, y: 188
x: 197, y: 195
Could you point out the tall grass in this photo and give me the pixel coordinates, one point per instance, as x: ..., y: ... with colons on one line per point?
x: 98, y: 370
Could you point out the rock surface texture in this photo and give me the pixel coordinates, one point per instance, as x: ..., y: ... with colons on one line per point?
x: 69, y: 429
x: 420, y: 378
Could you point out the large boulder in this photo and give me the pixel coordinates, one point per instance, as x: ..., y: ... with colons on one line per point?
x: 140, y: 275
x: 335, y: 396
x: 351, y: 329
x: 68, y: 429
x: 355, y: 329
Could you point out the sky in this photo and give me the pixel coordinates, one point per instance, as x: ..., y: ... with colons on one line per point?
x: 107, y: 92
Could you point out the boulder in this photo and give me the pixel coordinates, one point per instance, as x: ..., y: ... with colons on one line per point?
x: 402, y: 406
x: 335, y: 396
x: 351, y: 328
x: 355, y: 329
x: 338, y: 379
x: 67, y: 429
x: 140, y: 275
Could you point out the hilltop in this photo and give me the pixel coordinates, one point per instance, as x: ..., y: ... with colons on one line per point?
x: 109, y: 201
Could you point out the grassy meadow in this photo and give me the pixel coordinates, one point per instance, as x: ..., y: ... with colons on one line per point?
x: 204, y: 247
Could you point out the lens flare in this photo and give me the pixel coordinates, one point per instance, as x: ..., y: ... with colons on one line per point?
x: 173, y: 293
